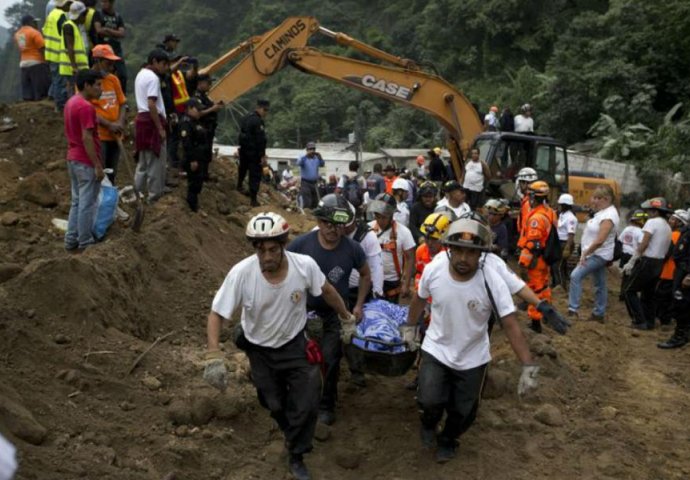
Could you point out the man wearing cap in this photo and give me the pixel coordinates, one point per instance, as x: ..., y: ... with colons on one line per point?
x: 111, y: 107
x: 252, y: 142
x: 309, y: 164
x: 208, y: 116
x: 73, y: 55
x: 437, y: 170
x: 454, y: 200
x: 35, y: 73
x: 110, y: 30
x: 52, y: 33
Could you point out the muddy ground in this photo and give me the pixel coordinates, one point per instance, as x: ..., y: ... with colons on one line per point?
x: 79, y: 402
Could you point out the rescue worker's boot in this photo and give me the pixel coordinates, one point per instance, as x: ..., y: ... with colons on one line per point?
x: 297, y: 468
x: 535, y: 326
x: 677, y: 340
x: 446, y: 451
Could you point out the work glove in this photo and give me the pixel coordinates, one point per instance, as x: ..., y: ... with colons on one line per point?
x: 628, y: 267
x: 528, y: 379
x: 349, y: 328
x: 409, y: 336
x: 552, y: 318
x: 215, y: 372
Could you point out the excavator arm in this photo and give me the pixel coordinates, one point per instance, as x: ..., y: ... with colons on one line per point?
x: 403, y: 81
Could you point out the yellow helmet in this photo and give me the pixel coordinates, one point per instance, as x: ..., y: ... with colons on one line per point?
x: 539, y: 188
x: 435, y: 225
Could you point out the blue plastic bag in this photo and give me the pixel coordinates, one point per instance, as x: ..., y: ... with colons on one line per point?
x: 106, y: 211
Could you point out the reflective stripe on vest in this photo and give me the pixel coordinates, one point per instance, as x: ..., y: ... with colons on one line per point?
x: 52, y: 37
x: 79, y: 52
x: 180, y: 95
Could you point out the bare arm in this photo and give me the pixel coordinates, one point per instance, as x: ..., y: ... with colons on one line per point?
x: 604, y: 230
x: 642, y: 247
x: 363, y: 291
x: 334, y: 300
x: 213, y: 326
x: 486, y: 170
x: 408, y: 271
x: 153, y: 111
x: 176, y: 66
x: 69, y: 44
x: 528, y: 295
x: 516, y: 339
x: 90, y: 147
x: 416, y: 308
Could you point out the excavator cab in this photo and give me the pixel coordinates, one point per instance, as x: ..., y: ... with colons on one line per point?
x: 507, y: 152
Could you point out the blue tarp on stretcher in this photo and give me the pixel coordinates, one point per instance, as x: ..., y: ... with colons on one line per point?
x: 381, y: 321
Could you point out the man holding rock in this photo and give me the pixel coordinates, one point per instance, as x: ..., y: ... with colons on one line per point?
x: 272, y: 288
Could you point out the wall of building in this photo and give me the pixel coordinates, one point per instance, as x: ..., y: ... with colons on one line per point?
x: 625, y: 174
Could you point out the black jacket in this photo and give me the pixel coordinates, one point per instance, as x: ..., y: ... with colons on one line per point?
x: 252, y: 139
x: 209, y: 121
x: 418, y: 214
x: 194, y: 137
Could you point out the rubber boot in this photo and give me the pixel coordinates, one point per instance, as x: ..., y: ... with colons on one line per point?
x: 297, y: 468
x: 677, y: 340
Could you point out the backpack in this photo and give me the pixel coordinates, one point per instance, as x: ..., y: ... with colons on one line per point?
x: 352, y: 191
x: 552, y: 250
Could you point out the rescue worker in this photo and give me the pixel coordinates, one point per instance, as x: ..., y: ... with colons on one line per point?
x: 389, y: 177
x: 400, y: 190
x: 496, y: 211
x: 523, y: 180
x: 177, y: 85
x: 433, y: 228
x: 630, y: 239
x: 533, y: 241
x: 52, y: 33
x: 285, y: 363
x: 73, y: 55
x: 208, y: 116
x: 194, y: 144
x: 454, y: 200
x: 664, y: 289
x: 437, y: 169
x: 566, y: 227
x: 455, y: 350
x: 252, y: 142
x: 681, y: 292
x: 397, y: 248
x: 645, y: 266
x: 422, y: 208
x: 337, y: 256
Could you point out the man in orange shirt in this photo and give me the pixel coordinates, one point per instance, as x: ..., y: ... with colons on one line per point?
x: 389, y: 177
x: 35, y: 73
x: 110, y: 108
x: 533, y: 239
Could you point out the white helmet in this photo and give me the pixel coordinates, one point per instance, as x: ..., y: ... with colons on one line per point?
x: 682, y: 215
x: 267, y: 226
x: 527, y: 174
x: 401, y: 184
x: 566, y: 199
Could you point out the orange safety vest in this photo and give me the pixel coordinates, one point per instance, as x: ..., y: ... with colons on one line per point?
x: 536, y: 229
x: 524, y: 214
x: 391, y: 246
x: 179, y: 91
x: 670, y: 266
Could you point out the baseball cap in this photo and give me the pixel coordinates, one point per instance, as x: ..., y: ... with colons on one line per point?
x: 104, y: 51
x: 171, y: 36
x: 389, y: 168
x: 27, y: 20
x: 75, y: 10
x: 401, y: 184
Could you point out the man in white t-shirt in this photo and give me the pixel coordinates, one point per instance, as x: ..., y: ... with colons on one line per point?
x: 476, y: 176
x: 271, y: 286
x: 150, y: 126
x: 524, y: 123
x: 645, y: 266
x: 454, y: 200
x: 400, y: 191
x: 455, y: 351
x: 397, y: 245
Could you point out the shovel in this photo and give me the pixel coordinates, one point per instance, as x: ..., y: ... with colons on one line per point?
x: 139, y: 215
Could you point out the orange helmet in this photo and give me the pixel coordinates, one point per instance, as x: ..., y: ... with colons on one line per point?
x: 539, y: 188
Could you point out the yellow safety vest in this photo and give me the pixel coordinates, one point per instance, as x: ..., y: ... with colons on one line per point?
x: 180, y: 95
x: 79, y: 52
x: 89, y: 19
x: 52, y: 36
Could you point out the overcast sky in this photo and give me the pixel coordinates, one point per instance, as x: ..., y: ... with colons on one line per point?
x: 3, y: 5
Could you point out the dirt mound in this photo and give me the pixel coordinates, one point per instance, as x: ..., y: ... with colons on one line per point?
x: 100, y: 371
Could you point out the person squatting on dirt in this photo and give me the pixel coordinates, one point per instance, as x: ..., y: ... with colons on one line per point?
x: 150, y: 126
x: 646, y: 264
x: 533, y: 240
x: 337, y: 256
x: 309, y: 164
x: 252, y: 142
x: 272, y: 287
x: 455, y: 350
x: 680, y: 309
x: 194, y: 138
x: 83, y: 160
x: 597, y: 246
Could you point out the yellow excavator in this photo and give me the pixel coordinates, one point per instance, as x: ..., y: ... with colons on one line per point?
x: 399, y: 80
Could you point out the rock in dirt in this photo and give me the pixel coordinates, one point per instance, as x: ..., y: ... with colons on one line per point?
x: 549, y: 415
x: 21, y: 422
x: 541, y: 345
x: 227, y: 407
x: 9, y: 219
x: 202, y: 410
x: 38, y: 189
x: 9, y: 270
x: 151, y: 382
x: 127, y: 406
x: 348, y: 459
x: 498, y: 383
x: 609, y: 412
x: 322, y: 432
x: 62, y: 339
x: 179, y: 413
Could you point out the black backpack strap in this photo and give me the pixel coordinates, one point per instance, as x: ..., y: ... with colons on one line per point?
x: 495, y: 317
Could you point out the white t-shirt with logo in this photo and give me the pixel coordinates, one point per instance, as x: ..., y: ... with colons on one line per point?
x: 272, y: 315
x: 497, y: 264
x: 443, y: 206
x: 591, y: 232
x: 474, y: 176
x: 147, y: 84
x: 402, y: 214
x: 630, y: 238
x: 458, y: 333
x: 372, y: 250
x: 567, y: 224
x: 404, y: 241
x: 660, y: 240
